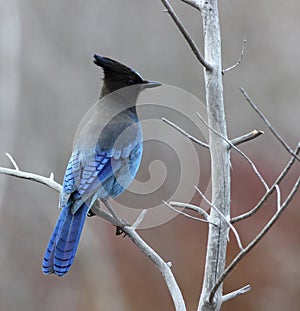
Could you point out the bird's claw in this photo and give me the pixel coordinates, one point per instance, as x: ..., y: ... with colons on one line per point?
x: 119, y: 231
x: 91, y: 213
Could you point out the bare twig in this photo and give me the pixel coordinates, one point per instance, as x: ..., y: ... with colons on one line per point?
x: 271, y: 190
x: 267, y: 122
x: 51, y: 177
x: 222, y: 216
x: 139, y: 219
x: 162, y: 266
x: 247, y: 137
x: 231, y: 227
x: 278, y: 197
x: 96, y: 209
x: 238, y: 150
x: 186, y: 35
x: 48, y: 181
x: 192, y: 207
x: 182, y: 131
x: 251, y: 245
x: 236, y: 293
x: 120, y: 222
x: 11, y: 159
x: 240, y: 58
x: 193, y: 3
x: 185, y: 214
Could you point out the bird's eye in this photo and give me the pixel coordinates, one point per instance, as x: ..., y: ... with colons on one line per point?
x: 131, y: 82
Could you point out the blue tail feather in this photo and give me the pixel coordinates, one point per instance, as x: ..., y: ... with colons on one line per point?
x: 63, y: 243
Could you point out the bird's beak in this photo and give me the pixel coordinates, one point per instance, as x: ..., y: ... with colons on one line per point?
x: 150, y: 84
x: 99, y: 60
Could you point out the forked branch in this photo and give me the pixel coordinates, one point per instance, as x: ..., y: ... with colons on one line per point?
x: 251, y: 245
x: 270, y: 191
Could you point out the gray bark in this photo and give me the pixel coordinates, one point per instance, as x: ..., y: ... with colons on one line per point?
x: 220, y: 159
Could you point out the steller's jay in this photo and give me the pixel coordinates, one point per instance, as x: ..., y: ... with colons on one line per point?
x: 105, y: 159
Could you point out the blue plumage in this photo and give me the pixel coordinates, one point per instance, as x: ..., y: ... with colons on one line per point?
x: 104, y: 161
x: 63, y: 244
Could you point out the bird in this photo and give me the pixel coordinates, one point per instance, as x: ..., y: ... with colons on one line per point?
x: 105, y: 159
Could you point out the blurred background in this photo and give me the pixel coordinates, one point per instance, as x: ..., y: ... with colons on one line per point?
x: 47, y: 83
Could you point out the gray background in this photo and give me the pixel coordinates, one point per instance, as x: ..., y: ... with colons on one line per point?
x: 48, y: 81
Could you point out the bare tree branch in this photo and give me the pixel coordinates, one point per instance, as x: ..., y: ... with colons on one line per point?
x: 96, y: 209
x: 163, y: 267
x: 236, y: 293
x: 193, y: 3
x: 191, y: 207
x: 278, y: 197
x: 186, y: 35
x: 267, y: 122
x: 48, y: 181
x: 247, y: 137
x: 183, y: 213
x: 13, y: 162
x: 220, y: 158
x: 182, y: 131
x: 251, y: 245
x: 270, y: 191
x: 239, y: 60
x: 238, y: 150
x: 139, y: 219
x: 120, y: 222
x: 225, y: 219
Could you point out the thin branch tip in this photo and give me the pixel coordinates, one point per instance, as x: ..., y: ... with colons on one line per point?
x: 33, y: 177
x: 270, y: 191
x: 13, y: 162
x: 268, y: 124
x: 240, y: 58
x: 139, y: 219
x: 246, y: 137
x: 186, y: 35
x: 230, y: 144
x: 236, y: 293
x: 184, y: 133
x: 191, y: 207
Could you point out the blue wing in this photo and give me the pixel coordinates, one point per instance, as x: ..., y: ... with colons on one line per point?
x: 63, y: 244
x: 98, y: 176
x: 98, y: 172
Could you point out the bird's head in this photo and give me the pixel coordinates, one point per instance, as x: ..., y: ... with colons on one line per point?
x: 117, y: 76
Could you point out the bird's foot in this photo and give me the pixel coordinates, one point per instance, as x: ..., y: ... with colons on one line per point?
x: 91, y: 213
x: 119, y: 231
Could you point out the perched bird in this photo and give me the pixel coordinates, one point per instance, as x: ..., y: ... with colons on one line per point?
x: 105, y: 159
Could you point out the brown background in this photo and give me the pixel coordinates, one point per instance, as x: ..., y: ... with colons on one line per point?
x: 47, y: 82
